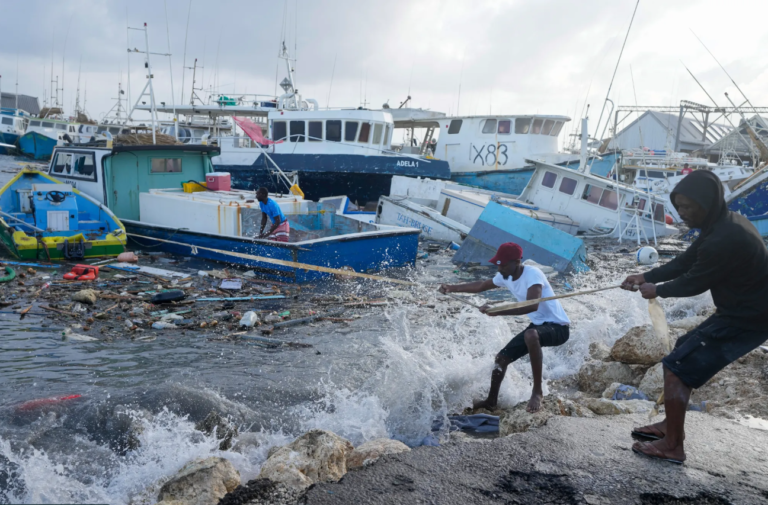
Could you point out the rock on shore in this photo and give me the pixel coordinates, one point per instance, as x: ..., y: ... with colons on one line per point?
x: 200, y: 482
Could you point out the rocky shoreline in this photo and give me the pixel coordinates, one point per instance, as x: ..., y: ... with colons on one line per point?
x: 575, y: 450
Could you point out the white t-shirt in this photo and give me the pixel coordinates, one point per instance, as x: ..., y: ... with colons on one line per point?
x: 548, y: 312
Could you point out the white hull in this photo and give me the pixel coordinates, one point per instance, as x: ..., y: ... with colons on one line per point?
x: 434, y: 226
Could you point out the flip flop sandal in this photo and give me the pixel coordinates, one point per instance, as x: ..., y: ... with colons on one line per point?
x: 648, y: 436
x: 658, y: 456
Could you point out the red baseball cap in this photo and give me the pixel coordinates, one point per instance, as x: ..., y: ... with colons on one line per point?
x: 507, y: 252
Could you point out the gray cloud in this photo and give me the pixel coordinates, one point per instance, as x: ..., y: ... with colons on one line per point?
x: 517, y: 57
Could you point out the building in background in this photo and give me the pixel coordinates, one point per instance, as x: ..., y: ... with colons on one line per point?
x: 26, y: 103
x: 659, y: 131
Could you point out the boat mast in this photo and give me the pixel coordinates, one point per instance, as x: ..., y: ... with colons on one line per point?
x: 149, y: 89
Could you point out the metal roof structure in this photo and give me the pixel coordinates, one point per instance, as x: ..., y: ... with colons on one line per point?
x: 738, y: 142
x: 27, y: 103
x: 662, y: 130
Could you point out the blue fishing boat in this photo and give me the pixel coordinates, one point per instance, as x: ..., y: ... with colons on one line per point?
x: 750, y: 198
x: 541, y: 242
x: 43, y: 134
x: 41, y: 218
x: 150, y: 189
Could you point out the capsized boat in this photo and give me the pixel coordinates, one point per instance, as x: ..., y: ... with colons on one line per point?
x: 149, y: 189
x: 43, y: 218
x: 750, y: 199
x: 446, y: 211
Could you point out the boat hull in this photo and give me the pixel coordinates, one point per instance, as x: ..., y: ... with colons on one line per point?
x: 761, y: 223
x: 540, y: 242
x: 433, y: 225
x: 362, y: 178
x: 37, y: 145
x: 362, y: 252
x: 42, y: 233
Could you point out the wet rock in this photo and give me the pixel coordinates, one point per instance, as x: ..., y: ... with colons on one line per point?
x: 653, y: 381
x: 518, y: 420
x: 639, y: 346
x: 595, y: 376
x: 605, y: 407
x: 261, y: 492
x: 599, y: 351
x: 87, y: 296
x: 225, y: 430
x: 316, y: 456
x: 201, y: 482
x: 371, y: 451
x: 272, y: 450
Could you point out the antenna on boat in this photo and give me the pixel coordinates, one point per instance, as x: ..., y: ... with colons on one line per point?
x: 170, y: 64
x: 608, y: 94
x: 184, y: 59
x: 330, y: 87
x: 17, y: 82
x: 749, y: 146
x: 149, y: 89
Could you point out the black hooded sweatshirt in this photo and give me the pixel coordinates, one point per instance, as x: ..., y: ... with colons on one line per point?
x: 729, y: 258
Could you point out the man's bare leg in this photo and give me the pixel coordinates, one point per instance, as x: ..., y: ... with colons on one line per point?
x: 676, y: 396
x: 537, y: 358
x: 499, y: 370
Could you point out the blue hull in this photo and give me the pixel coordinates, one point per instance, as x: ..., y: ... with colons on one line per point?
x: 761, y: 223
x: 37, y: 145
x: 8, y: 138
x: 361, y: 178
x: 514, y: 181
x: 540, y: 242
x: 362, y: 252
x: 753, y: 203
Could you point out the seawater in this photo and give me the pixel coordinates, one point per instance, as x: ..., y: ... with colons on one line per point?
x: 391, y: 373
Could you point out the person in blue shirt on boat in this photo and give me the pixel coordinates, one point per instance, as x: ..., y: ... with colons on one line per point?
x: 280, y: 229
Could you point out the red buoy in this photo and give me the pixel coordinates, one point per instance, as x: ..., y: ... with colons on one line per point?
x: 668, y: 219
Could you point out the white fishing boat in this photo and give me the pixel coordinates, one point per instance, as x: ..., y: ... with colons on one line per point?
x: 332, y: 151
x: 660, y: 171
x: 447, y: 211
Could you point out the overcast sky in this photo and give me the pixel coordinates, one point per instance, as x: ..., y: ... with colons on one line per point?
x: 507, y: 57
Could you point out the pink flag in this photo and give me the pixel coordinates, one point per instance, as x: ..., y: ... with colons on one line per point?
x: 254, y: 131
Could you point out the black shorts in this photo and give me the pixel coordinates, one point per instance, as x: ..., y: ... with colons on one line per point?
x: 714, y: 344
x: 550, y: 335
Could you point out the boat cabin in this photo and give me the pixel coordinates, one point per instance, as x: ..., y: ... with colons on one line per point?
x: 601, y: 206
x: 493, y: 142
x: 347, y: 131
x: 116, y: 176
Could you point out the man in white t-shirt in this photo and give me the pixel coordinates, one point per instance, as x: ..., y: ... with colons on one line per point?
x: 549, y: 324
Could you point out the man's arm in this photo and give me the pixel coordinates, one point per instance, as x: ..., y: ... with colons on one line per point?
x: 710, y: 266
x: 534, y: 293
x: 263, y: 223
x: 672, y: 270
x: 675, y: 268
x: 470, y: 287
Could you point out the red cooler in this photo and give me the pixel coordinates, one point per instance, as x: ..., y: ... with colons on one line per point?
x: 218, y: 181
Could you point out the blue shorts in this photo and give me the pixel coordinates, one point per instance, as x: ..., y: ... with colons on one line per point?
x: 714, y: 344
x: 550, y: 335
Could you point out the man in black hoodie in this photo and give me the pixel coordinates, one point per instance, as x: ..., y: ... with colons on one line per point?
x: 729, y: 259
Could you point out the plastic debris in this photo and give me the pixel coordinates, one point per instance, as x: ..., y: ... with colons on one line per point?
x: 249, y: 319
x: 162, y: 325
x: 127, y: 257
x: 173, y: 295
x: 232, y: 284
